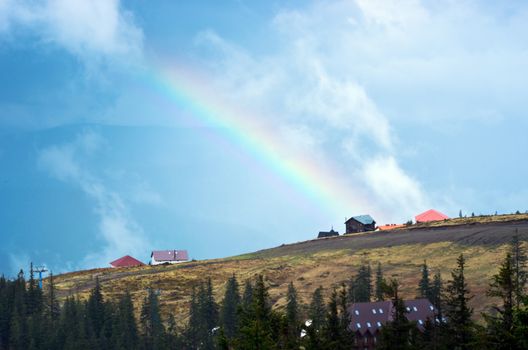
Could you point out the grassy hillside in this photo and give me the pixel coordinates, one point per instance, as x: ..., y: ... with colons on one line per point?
x: 327, y: 262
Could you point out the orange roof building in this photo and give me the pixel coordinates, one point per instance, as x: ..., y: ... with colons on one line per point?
x: 389, y: 227
x: 430, y: 215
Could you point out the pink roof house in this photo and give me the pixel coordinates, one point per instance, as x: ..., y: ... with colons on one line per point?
x: 158, y: 257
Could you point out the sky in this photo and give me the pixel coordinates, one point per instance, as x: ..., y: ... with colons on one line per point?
x: 228, y: 127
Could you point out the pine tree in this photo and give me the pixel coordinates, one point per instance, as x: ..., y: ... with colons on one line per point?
x: 150, y: 320
x: 346, y: 337
x: 95, y: 310
x: 193, y: 328
x: 360, y: 288
x: 18, y: 329
x: 457, y: 310
x: 396, y: 334
x: 317, y: 310
x: 34, y: 294
x: 334, y: 333
x: 379, y: 283
x: 292, y: 318
x: 5, y: 311
x: 519, y: 266
x: 521, y: 324
x: 18, y: 324
x: 208, y: 310
x: 436, y: 293
x: 501, y: 326
x: 256, y: 331
x: 247, y: 298
x: 424, y: 288
x: 69, y: 326
x: 52, y: 304
x: 173, y: 341
x: 229, y: 310
x: 223, y: 343
x: 317, y: 315
x: 110, y: 315
x: 125, y: 328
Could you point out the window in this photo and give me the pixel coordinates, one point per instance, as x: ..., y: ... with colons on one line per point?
x: 373, y: 311
x: 358, y: 325
x: 369, y: 325
x: 380, y: 311
x: 356, y: 312
x: 414, y: 308
x: 420, y: 322
x: 378, y: 323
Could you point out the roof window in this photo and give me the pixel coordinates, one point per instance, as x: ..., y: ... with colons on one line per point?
x: 356, y: 312
x: 373, y: 311
x: 420, y: 322
x: 358, y: 325
x: 378, y: 323
x: 408, y: 309
x: 369, y: 325
x: 414, y: 308
x: 431, y: 307
x: 380, y: 311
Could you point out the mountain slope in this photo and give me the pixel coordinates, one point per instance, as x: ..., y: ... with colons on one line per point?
x: 327, y: 262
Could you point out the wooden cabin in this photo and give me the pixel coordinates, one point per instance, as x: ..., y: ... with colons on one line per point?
x: 361, y: 223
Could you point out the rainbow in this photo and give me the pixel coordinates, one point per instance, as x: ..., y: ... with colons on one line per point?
x: 316, y: 181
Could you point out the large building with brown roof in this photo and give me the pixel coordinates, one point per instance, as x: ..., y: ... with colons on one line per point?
x: 367, y: 319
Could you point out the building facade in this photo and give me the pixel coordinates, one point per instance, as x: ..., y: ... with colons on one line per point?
x: 361, y: 223
x: 367, y: 319
x: 324, y: 234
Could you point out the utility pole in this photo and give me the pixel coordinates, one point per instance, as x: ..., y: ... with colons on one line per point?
x: 40, y: 270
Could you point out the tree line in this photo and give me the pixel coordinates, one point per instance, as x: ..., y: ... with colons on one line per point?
x: 31, y: 318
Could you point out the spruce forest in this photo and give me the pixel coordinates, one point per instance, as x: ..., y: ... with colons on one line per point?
x: 33, y: 318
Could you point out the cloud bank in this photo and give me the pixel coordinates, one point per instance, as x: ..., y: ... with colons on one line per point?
x: 88, y: 29
x: 118, y: 230
x: 318, y: 103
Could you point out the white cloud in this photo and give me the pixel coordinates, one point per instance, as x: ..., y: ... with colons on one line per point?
x: 119, y: 231
x: 396, y: 188
x: 319, y: 104
x: 89, y: 29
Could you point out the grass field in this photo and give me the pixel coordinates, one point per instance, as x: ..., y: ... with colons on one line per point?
x: 327, y: 262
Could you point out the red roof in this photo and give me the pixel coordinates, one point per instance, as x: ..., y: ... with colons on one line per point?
x: 126, y: 261
x: 431, y: 215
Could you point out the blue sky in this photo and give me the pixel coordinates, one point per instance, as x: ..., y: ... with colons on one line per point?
x: 410, y: 104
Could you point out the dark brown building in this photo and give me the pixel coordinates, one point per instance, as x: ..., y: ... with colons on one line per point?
x: 367, y: 319
x: 331, y: 233
x: 361, y: 223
